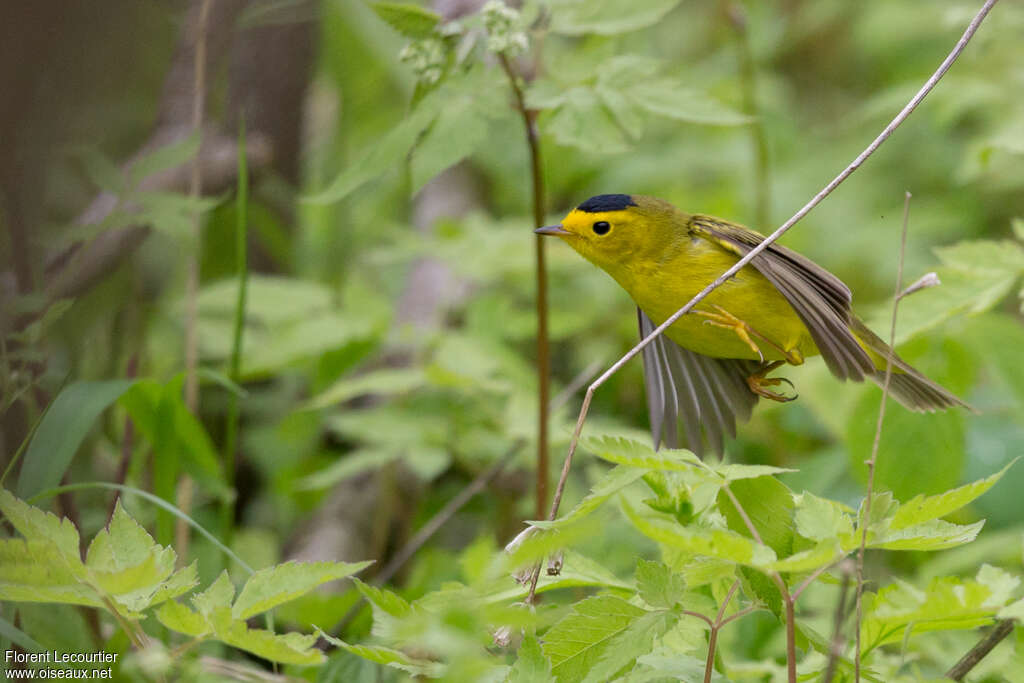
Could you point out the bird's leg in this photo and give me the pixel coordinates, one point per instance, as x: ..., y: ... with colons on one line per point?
x: 727, y: 320
x: 758, y: 382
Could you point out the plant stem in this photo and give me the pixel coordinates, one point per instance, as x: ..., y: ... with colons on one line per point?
x: 709, y: 664
x: 185, y: 484
x: 979, y: 651
x: 543, y: 348
x: 234, y: 369
x: 865, y: 521
x: 836, y: 648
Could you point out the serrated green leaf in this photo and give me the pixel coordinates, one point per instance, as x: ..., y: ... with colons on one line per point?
x: 931, y: 535
x: 678, y: 667
x: 461, y: 126
x: 180, y: 618
x: 658, y: 585
x: 635, y: 641
x: 1015, y: 610
x: 218, y: 595
x: 272, y: 586
x: 577, y: 641
x: 666, y: 97
x: 606, y: 17
x: 385, y: 382
x: 817, y: 557
x: 383, y: 155
x: 632, y: 453
x: 583, y: 122
x: 36, y: 571
x: 389, y: 657
x: 923, y: 508
x: 737, y: 472
x: 612, y: 482
x: 820, y: 519
x: 412, y: 21
x: 36, y: 524
x: 61, y: 431
x: 531, y: 665
x: 286, y: 648
x: 179, y: 583
x: 722, y: 544
x: 984, y: 255
x: 947, y: 603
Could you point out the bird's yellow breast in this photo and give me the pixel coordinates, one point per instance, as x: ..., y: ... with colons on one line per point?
x: 661, y: 287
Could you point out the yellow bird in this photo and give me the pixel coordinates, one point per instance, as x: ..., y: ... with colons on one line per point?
x: 709, y: 368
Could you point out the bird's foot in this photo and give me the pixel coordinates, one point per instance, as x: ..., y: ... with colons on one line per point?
x: 758, y: 383
x: 727, y: 320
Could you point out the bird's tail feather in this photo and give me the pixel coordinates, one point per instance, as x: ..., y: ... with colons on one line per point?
x: 908, y: 386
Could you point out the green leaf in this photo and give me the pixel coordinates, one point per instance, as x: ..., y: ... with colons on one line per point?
x: 948, y: 603
x: 163, y: 158
x: 126, y: 563
x: 272, y: 586
x: 667, y: 97
x: 658, y: 585
x: 931, y: 535
x: 917, y: 453
x: 36, y: 524
x: 383, y: 155
x: 389, y: 657
x: 924, y: 508
x: 623, y: 451
x: 180, y: 618
x: 624, y: 649
x: 820, y: 519
x: 577, y: 641
x: 606, y: 17
x: 737, y: 472
x: 718, y: 543
x: 347, y: 466
x: 676, y: 667
x: 385, y: 382
x: 612, y: 482
x: 1015, y: 610
x: 14, y: 634
x: 412, y: 21
x: 1006, y: 256
x: 531, y: 665
x: 101, y: 171
x: 769, y: 506
x: 36, y: 571
x: 217, y: 596
x: 287, y: 648
x: 461, y: 126
x: 583, y: 122
x: 61, y: 431
x: 160, y: 415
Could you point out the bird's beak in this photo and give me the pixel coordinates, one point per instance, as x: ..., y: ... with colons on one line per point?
x: 552, y: 230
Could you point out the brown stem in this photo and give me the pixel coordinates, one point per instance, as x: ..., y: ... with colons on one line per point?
x: 185, y: 484
x: 543, y: 351
x: 709, y: 664
x: 836, y: 647
x: 865, y: 519
x: 979, y: 651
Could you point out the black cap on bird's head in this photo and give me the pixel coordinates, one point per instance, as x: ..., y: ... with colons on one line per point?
x: 606, y: 202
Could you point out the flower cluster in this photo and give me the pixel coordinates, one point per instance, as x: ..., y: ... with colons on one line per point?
x: 505, y: 31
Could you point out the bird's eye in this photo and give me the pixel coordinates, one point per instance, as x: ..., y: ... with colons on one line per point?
x: 601, y: 227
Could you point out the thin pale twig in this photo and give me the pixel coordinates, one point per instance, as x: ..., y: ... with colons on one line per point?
x: 866, y: 517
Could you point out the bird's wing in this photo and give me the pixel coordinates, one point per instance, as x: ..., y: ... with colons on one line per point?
x: 695, y: 392
x: 820, y: 298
